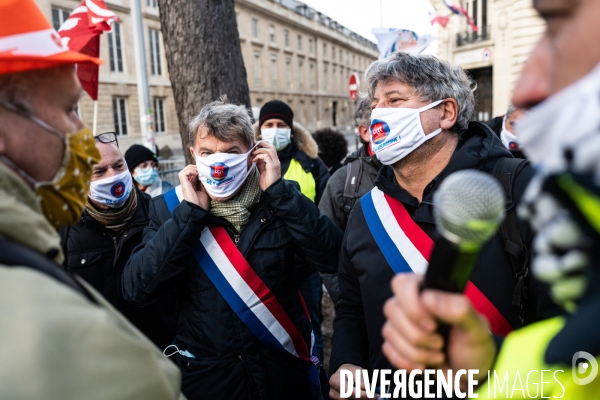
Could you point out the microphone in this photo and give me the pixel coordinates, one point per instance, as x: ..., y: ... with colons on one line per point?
x: 468, y: 209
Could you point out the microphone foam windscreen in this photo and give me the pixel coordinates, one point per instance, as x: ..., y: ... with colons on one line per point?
x: 469, y: 206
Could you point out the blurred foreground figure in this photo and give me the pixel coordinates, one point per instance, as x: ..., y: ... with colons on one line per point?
x: 226, y: 240
x: 60, y: 338
x: 561, y: 136
x: 98, y: 246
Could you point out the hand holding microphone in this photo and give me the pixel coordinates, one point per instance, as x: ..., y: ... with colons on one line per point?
x: 469, y: 206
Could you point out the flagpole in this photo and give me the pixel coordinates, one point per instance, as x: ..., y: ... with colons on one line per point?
x: 95, y: 117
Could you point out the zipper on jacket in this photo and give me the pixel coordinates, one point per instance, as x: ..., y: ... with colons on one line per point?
x: 236, y: 239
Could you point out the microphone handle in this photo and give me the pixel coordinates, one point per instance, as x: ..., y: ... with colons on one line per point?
x: 449, y: 269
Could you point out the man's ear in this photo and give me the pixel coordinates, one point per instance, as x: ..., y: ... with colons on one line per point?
x: 363, y: 131
x: 193, y: 152
x: 449, y: 113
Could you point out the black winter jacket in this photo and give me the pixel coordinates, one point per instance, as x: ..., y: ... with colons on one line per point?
x: 364, y: 274
x: 99, y: 257
x: 332, y: 202
x: 230, y: 362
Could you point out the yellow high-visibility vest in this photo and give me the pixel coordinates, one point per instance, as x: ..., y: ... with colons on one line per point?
x: 307, y: 183
x: 521, y: 355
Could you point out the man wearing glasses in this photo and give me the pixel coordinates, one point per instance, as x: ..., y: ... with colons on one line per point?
x: 98, y: 246
x: 143, y: 165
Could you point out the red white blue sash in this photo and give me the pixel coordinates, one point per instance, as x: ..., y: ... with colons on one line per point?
x: 407, y: 248
x: 244, y: 291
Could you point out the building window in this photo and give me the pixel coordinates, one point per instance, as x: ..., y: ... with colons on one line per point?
x: 255, y: 28
x: 312, y: 76
x: 324, y: 49
x: 300, y: 75
x: 272, y: 34
x: 333, y: 75
x: 325, y: 80
x: 152, y: 3
x: 120, y: 115
x: 114, y: 48
x: 299, y: 42
x: 333, y: 53
x: 286, y: 38
x: 273, y: 71
x: 159, y: 115
x: 310, y: 46
x: 257, y: 68
x: 59, y: 17
x: 288, y: 73
x: 155, y: 62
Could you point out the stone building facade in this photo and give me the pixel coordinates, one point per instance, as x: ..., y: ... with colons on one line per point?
x: 291, y: 52
x: 494, y: 56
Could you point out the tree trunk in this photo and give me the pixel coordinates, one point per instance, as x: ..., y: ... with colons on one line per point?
x: 204, y: 56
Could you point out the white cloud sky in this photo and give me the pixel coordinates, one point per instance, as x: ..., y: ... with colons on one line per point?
x: 363, y: 15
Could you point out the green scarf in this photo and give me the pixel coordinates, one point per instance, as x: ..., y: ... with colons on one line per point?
x: 115, y: 220
x: 237, y: 209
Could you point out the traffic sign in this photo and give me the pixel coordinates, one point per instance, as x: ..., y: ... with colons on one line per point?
x: 353, y: 86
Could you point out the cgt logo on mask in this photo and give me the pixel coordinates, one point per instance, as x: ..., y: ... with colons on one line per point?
x: 379, y: 131
x: 118, y: 189
x: 218, y: 173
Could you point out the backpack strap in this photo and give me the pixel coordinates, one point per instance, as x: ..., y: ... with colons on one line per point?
x: 13, y: 254
x: 506, y: 170
x: 354, y: 173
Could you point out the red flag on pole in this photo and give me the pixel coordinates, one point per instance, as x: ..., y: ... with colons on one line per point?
x: 81, y: 32
x: 437, y: 18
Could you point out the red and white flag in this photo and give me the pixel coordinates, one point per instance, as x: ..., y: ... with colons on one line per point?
x: 459, y: 10
x: 81, y: 32
x: 439, y: 19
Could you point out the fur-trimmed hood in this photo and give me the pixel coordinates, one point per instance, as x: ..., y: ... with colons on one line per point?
x: 301, y: 138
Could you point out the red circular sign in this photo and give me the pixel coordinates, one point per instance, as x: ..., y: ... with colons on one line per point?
x: 353, y: 86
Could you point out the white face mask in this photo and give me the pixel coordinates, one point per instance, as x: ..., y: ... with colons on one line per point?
x: 396, y: 132
x: 509, y: 140
x: 112, y: 191
x: 569, y: 119
x: 278, y: 137
x: 222, y: 174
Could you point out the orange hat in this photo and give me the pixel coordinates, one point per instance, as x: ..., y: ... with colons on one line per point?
x: 28, y: 41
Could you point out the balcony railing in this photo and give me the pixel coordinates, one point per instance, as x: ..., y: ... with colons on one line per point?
x: 469, y: 36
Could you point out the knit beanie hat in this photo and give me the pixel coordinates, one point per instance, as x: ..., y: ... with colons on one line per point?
x: 276, y: 109
x: 137, y: 154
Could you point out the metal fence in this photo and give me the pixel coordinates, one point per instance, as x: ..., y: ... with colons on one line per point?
x: 169, y: 169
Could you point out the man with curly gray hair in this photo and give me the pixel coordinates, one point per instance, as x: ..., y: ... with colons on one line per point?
x: 421, y: 133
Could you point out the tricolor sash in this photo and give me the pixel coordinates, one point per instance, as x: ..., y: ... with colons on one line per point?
x: 248, y: 296
x: 407, y: 248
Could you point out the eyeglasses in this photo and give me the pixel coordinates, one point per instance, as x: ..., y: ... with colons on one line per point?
x: 107, y: 137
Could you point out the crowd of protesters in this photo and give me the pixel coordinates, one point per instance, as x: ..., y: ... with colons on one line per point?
x: 116, y: 285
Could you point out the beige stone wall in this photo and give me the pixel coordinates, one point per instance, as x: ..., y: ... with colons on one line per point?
x: 312, y: 107
x: 515, y: 28
x: 313, y: 104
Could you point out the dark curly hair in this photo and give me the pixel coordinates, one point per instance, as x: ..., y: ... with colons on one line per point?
x: 333, y: 146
